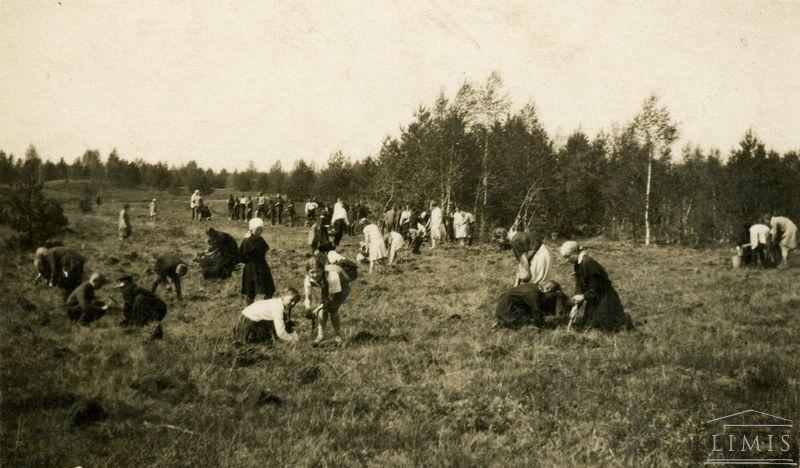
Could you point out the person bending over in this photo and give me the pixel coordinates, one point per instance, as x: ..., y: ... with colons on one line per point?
x: 263, y: 320
x: 170, y: 267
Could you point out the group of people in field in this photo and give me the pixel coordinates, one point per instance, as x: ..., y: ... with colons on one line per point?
x: 277, y: 210
x: 767, y: 242
x: 534, y: 299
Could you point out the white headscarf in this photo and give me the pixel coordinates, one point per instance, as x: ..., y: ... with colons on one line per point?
x: 255, y: 223
x: 569, y: 248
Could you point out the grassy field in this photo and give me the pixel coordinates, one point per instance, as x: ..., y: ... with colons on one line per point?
x: 423, y: 379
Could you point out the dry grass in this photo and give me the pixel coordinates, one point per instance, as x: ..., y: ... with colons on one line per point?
x: 423, y: 379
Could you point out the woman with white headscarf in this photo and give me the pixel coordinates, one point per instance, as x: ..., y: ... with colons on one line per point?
x: 256, y: 276
x: 594, y: 293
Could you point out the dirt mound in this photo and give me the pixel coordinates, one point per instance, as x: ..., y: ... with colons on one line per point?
x: 87, y: 412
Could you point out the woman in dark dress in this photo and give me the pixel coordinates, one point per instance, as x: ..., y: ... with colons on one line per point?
x: 594, y: 293
x: 256, y: 277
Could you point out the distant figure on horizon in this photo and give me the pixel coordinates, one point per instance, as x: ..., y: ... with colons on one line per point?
x: 194, y: 204
x: 124, y: 223
x: 153, y: 210
x: 231, y: 206
x: 311, y: 211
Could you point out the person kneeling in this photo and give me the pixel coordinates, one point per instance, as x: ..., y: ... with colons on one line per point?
x: 82, y: 304
x: 263, y: 320
x: 528, y: 304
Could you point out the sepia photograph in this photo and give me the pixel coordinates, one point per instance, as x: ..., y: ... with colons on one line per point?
x: 393, y: 233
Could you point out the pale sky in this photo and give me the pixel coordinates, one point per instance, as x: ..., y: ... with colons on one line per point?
x: 224, y: 83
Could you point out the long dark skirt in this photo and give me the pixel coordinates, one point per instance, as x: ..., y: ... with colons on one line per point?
x: 247, y: 331
x: 606, y: 314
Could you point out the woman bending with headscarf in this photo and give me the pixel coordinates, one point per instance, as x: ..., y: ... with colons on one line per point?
x: 594, y: 293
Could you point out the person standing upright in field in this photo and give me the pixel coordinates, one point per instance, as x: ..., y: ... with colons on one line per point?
x: 339, y: 220
x: 311, y: 211
x: 153, y: 210
x: 277, y: 214
x: 194, y: 204
x: 124, y: 223
x: 231, y: 206
x: 261, y: 205
x: 459, y: 226
x: 256, y: 276
x: 436, y: 224
x: 784, y: 233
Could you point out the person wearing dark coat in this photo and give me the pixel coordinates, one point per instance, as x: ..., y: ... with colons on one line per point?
x: 82, y: 304
x: 231, y: 206
x: 257, y: 276
x: 170, y: 267
x: 277, y: 211
x: 62, y: 267
x: 141, y: 306
x: 595, y: 295
x: 290, y: 212
x: 528, y: 304
x: 221, y: 258
x: 318, y: 234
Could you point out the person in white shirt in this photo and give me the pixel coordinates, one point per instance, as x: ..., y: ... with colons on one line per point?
x: 153, y: 210
x: 311, y: 211
x: 436, y: 223
x: 374, y: 240
x: 460, y: 226
x: 395, y: 242
x: 784, y: 233
x: 760, y: 241
x: 260, y: 320
x: 194, y: 204
x: 339, y: 221
x: 334, y: 287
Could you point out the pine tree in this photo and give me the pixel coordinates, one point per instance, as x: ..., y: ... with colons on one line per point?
x: 35, y: 217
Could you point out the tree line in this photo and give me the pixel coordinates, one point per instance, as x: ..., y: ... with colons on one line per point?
x: 471, y: 151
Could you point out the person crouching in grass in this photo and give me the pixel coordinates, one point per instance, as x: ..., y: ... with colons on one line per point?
x: 263, y: 320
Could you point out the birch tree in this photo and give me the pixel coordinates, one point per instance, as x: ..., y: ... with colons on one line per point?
x: 655, y: 131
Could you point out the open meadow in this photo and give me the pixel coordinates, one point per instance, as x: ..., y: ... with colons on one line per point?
x: 423, y: 378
